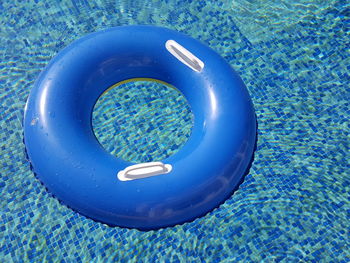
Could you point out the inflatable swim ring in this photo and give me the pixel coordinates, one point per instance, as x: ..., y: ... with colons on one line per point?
x: 75, y: 168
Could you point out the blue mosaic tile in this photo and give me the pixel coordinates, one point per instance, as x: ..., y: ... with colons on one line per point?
x: 142, y: 121
x: 293, y: 206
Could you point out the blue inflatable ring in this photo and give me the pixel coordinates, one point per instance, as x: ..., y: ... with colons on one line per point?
x: 75, y: 168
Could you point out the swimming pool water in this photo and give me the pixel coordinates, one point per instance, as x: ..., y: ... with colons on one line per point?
x: 142, y: 120
x: 293, y: 206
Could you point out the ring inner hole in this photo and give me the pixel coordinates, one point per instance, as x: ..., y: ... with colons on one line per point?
x: 142, y: 120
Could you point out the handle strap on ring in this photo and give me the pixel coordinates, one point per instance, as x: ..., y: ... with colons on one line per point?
x: 143, y: 170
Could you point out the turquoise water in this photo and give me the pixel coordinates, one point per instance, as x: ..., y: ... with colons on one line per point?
x: 142, y: 120
x: 293, y: 206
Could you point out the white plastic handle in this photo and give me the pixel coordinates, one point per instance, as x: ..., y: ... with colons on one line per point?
x: 184, y: 55
x: 143, y: 170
